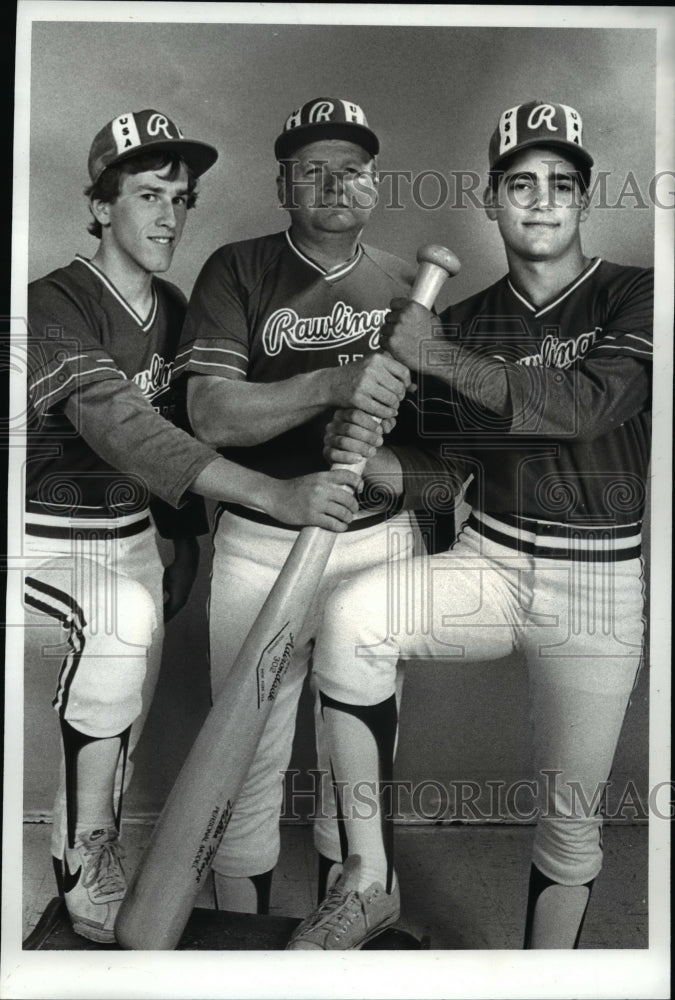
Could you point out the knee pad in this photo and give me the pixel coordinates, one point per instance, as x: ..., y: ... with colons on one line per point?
x: 99, y: 690
x: 103, y: 695
x: 128, y: 614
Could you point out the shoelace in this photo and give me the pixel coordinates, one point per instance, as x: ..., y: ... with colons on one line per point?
x: 332, y: 909
x: 103, y: 867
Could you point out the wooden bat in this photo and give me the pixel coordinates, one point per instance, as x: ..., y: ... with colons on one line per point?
x: 162, y: 893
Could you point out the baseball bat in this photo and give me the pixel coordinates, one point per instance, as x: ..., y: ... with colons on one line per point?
x: 162, y: 892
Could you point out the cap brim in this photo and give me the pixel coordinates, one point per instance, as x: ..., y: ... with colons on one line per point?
x: 289, y: 142
x: 572, y: 151
x: 199, y: 156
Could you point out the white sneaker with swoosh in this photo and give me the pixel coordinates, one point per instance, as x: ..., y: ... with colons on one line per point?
x: 94, y: 883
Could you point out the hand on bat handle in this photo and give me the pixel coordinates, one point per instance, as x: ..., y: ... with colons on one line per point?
x: 353, y: 435
x: 409, y: 324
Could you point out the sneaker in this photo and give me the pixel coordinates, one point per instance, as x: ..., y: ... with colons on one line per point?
x: 93, y: 883
x: 348, y: 917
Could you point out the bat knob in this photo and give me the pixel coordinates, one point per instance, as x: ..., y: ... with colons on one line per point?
x: 441, y: 257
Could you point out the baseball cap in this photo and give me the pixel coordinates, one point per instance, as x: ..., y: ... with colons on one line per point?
x: 325, y: 118
x: 538, y: 123
x: 139, y: 131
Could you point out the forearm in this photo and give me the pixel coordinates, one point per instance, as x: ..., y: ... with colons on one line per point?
x: 382, y: 477
x: 583, y: 401
x: 427, y: 479
x: 225, y: 412
x: 229, y: 412
x: 325, y: 499
x: 479, y: 379
x: 225, y: 480
x: 419, y: 476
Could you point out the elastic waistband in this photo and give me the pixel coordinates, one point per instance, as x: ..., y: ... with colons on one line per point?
x: 358, y: 524
x: 554, y: 540
x: 52, y: 526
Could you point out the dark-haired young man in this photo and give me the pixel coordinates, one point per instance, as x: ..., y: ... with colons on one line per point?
x: 546, y: 377
x: 102, y: 343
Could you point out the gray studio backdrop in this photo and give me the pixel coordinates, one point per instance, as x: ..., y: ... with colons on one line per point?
x: 434, y: 96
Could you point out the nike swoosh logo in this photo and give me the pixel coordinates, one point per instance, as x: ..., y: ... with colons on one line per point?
x: 70, y: 879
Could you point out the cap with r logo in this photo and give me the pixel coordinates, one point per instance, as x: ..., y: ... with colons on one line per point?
x: 146, y: 131
x: 538, y: 123
x: 325, y: 118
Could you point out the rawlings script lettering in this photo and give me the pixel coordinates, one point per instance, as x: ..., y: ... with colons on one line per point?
x: 342, y: 326
x: 556, y: 353
x: 156, y: 378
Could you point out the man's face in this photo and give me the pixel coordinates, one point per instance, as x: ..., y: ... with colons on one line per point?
x: 330, y: 187
x: 146, y: 220
x: 538, y: 205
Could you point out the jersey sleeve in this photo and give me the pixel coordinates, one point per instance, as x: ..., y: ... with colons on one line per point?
x: 629, y: 333
x: 119, y: 424
x: 190, y: 519
x: 215, y: 334
x: 583, y: 402
x: 606, y: 387
x: 591, y: 396
x: 63, y: 355
x: 432, y: 476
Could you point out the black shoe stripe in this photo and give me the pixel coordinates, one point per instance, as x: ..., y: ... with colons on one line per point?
x: 70, y: 879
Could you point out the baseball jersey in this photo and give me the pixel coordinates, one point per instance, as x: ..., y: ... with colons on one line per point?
x: 83, y: 333
x: 575, y: 442
x: 263, y: 311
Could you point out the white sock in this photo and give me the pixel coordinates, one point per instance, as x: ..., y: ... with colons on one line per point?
x: 558, y: 913
x: 355, y: 760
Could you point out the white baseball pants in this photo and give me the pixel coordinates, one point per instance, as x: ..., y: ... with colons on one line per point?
x: 577, y: 621
x: 94, y: 613
x: 248, y: 557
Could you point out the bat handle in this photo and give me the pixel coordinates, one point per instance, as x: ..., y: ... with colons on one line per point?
x: 435, y: 265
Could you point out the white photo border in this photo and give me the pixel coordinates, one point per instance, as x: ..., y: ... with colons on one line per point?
x: 596, y: 974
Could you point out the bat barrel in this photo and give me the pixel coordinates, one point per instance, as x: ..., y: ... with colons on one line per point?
x: 163, y: 890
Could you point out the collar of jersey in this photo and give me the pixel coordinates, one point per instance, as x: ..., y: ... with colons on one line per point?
x: 337, y: 272
x: 584, y: 276
x: 144, y: 324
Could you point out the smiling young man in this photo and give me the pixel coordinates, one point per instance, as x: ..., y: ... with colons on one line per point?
x: 281, y: 330
x: 546, y: 381
x: 108, y: 454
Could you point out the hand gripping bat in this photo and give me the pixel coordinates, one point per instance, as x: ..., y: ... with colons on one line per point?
x: 162, y: 892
